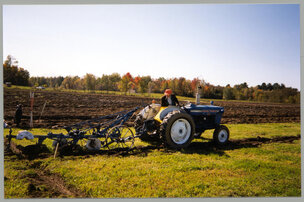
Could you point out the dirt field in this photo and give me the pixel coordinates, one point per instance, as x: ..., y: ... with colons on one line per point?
x: 66, y: 108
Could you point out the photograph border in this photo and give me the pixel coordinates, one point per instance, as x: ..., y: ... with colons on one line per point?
x: 113, y: 2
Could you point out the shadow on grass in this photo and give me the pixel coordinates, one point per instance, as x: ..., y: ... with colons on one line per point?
x: 205, y: 148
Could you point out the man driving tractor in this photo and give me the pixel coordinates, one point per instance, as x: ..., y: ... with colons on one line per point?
x: 169, y: 99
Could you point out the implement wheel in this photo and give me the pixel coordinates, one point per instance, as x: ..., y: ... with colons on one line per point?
x: 177, y: 129
x: 93, y: 144
x: 120, y: 137
x: 61, y: 143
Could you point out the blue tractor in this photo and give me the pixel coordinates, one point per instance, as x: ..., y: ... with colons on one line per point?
x: 177, y: 126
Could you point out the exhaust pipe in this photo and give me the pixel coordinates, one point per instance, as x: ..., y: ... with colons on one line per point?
x: 198, y: 95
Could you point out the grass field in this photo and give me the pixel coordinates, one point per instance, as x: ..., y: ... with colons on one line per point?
x: 202, y: 170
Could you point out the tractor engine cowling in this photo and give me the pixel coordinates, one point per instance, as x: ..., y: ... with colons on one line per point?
x: 205, y: 116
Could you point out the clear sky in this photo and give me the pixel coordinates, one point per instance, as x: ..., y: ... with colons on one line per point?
x: 222, y: 44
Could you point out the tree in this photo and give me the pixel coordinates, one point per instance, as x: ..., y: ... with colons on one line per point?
x: 11, y: 61
x: 228, y: 93
x: 105, y: 82
x: 150, y: 87
x: 173, y: 84
x: 22, y: 77
x: 78, y: 83
x: 143, y: 84
x: 164, y: 85
x: 126, y: 83
x: 218, y: 92
x: 276, y: 86
x: 136, y: 83
x: 53, y: 82
x: 67, y: 83
x: 14, y: 74
x: 194, y: 84
x: 59, y: 80
x: 269, y: 86
x: 187, y: 91
x: 90, y: 81
x: 70, y: 82
x: 205, y: 92
x: 263, y: 86
x: 157, y: 84
x: 114, y: 81
x: 240, y: 86
x: 180, y: 86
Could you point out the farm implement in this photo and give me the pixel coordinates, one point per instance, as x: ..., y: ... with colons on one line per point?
x: 108, y: 131
x: 174, y: 126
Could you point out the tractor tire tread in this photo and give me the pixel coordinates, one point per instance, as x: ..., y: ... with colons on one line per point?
x: 215, y: 133
x: 163, y: 134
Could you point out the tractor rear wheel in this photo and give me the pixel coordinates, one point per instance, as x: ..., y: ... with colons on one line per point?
x: 221, y: 135
x: 177, y: 129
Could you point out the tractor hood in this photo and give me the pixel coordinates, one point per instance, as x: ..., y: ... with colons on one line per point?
x: 203, y: 109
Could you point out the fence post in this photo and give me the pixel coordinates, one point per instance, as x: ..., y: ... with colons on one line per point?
x: 32, y: 106
x: 42, y: 111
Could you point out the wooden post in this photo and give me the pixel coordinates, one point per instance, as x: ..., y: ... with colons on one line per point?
x: 56, y: 149
x: 42, y: 111
x: 32, y: 106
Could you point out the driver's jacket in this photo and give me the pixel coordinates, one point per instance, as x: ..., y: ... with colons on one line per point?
x: 164, y: 101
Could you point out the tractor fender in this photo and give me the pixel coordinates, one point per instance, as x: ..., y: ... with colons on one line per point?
x: 164, y: 111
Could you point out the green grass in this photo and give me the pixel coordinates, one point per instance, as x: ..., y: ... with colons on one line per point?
x: 272, y: 169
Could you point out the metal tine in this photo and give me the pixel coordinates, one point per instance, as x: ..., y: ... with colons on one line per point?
x: 99, y: 118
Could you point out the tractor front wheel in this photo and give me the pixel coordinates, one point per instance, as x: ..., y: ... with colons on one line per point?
x: 221, y: 135
x: 177, y: 129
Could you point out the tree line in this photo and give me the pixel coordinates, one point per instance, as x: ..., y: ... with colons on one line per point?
x: 14, y: 74
x: 145, y: 84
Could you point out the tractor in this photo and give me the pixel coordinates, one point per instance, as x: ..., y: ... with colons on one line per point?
x: 176, y: 126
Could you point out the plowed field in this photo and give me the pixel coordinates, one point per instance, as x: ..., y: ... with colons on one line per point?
x: 66, y: 108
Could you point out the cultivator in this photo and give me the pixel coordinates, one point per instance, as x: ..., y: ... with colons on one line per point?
x: 109, y: 132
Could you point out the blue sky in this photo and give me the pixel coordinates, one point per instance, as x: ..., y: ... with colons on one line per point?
x: 222, y: 44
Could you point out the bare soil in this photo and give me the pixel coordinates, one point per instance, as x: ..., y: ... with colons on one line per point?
x: 66, y: 108
x: 45, y: 184
x: 41, y: 182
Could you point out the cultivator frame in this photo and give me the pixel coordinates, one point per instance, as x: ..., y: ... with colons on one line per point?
x: 110, y: 128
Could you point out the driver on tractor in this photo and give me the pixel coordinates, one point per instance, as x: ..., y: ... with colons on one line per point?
x: 169, y: 99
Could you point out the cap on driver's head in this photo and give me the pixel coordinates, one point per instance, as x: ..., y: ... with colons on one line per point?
x: 168, y: 92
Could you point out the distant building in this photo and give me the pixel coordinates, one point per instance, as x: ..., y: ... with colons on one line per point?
x: 131, y: 91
